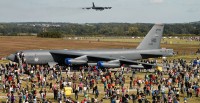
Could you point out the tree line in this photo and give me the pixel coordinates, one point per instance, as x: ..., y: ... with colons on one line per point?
x: 57, y: 30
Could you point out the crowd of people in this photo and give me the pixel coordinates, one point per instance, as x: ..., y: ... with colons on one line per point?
x: 33, y: 84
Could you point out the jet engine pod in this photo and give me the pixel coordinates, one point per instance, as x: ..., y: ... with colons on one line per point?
x: 107, y: 65
x: 70, y: 61
x: 100, y: 64
x: 67, y: 61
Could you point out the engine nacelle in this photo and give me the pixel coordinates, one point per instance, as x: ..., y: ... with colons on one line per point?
x: 70, y: 61
x: 107, y: 65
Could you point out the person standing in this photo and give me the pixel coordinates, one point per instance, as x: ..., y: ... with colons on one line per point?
x: 94, y: 89
x: 131, y: 83
x: 76, y: 94
x: 12, y: 99
x: 134, y: 98
x: 96, y: 93
x: 123, y: 91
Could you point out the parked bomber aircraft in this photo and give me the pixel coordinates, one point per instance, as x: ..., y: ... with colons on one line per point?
x: 148, y: 48
x: 97, y: 8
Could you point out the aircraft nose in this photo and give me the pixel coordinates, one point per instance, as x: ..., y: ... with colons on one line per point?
x: 11, y: 57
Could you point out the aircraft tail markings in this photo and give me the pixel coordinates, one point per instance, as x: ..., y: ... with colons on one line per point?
x: 153, y: 38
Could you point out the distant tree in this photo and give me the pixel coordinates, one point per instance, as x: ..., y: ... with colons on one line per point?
x: 133, y: 31
x: 50, y: 35
x: 95, y: 29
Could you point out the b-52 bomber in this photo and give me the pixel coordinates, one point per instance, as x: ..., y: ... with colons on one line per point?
x: 97, y: 8
x: 112, y: 58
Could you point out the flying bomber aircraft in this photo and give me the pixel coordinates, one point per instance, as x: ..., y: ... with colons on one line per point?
x: 97, y: 8
x: 112, y: 58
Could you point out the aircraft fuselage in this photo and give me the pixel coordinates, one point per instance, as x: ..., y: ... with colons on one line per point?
x: 44, y: 56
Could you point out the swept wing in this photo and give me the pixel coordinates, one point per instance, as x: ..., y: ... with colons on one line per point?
x: 78, y: 57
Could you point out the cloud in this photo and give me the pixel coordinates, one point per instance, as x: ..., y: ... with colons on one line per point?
x: 156, y: 1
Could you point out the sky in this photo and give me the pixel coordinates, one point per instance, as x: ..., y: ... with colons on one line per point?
x: 123, y: 11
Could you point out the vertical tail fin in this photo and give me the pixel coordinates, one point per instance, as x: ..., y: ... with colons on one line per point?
x: 93, y: 4
x: 153, y: 38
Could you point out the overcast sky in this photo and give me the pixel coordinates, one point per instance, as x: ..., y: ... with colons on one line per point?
x: 126, y: 11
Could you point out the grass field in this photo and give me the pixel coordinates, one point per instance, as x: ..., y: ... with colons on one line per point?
x: 11, y: 44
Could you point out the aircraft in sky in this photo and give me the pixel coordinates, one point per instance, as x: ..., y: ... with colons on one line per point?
x: 97, y: 8
x: 112, y: 58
